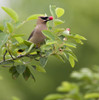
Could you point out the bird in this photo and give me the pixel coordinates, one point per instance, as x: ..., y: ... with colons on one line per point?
x: 37, y: 37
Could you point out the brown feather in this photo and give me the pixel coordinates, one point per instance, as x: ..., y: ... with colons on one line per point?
x: 37, y: 35
x: 31, y: 34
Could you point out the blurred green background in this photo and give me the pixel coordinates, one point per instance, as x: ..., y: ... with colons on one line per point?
x: 82, y: 16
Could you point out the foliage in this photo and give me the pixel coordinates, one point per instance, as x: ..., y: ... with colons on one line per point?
x: 58, y: 43
x: 86, y: 86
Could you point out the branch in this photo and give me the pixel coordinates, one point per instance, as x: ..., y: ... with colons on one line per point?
x: 11, y: 55
x: 20, y: 56
x: 4, y: 55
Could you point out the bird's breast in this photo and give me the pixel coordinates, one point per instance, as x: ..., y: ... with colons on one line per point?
x: 38, y: 36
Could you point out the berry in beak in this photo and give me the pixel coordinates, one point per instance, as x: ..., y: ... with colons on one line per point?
x: 50, y: 17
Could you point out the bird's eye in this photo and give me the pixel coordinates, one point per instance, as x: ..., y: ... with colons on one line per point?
x: 44, y: 18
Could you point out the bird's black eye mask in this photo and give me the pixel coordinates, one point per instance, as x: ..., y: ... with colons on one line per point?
x: 44, y: 18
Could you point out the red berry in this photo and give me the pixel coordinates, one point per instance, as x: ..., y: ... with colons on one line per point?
x: 51, y: 18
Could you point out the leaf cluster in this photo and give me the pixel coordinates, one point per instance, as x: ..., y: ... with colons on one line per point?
x: 55, y: 45
x: 85, y: 87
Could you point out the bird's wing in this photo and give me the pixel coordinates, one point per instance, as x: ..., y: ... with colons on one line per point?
x: 31, y: 34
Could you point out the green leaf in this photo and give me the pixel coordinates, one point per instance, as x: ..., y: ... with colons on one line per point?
x: 59, y: 12
x: 84, y: 74
x: 49, y: 34
x: 20, y: 68
x: 70, y: 45
x: 46, y: 47
x: 40, y: 69
x: 10, y: 27
x: 7, y: 63
x: 58, y: 22
x: 79, y: 41
x: 49, y: 42
x: 60, y: 58
x: 76, y: 75
x: 27, y: 43
x: 21, y: 46
x: 14, y: 72
x: 12, y: 69
x: 54, y: 97
x: 71, y: 60
x: 11, y: 13
x: 35, y: 16
x: 59, y: 31
x: 80, y: 37
x: 43, y: 61
x: 19, y: 39
x: 48, y: 52
x: 1, y: 27
x: 4, y: 49
x: 67, y: 87
x: 52, y: 10
x: 3, y: 38
x: 33, y: 77
x: 30, y: 48
x: 26, y: 73
x: 15, y: 98
x: 69, y: 52
x: 18, y: 35
x: 15, y: 75
x: 91, y: 95
x: 66, y: 56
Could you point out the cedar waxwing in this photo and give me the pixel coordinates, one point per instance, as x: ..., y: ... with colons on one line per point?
x: 37, y: 36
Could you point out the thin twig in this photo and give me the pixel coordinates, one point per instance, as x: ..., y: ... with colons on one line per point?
x: 18, y: 57
x: 4, y: 55
x: 11, y: 55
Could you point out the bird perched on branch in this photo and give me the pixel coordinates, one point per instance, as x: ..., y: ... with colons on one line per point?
x: 37, y: 36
